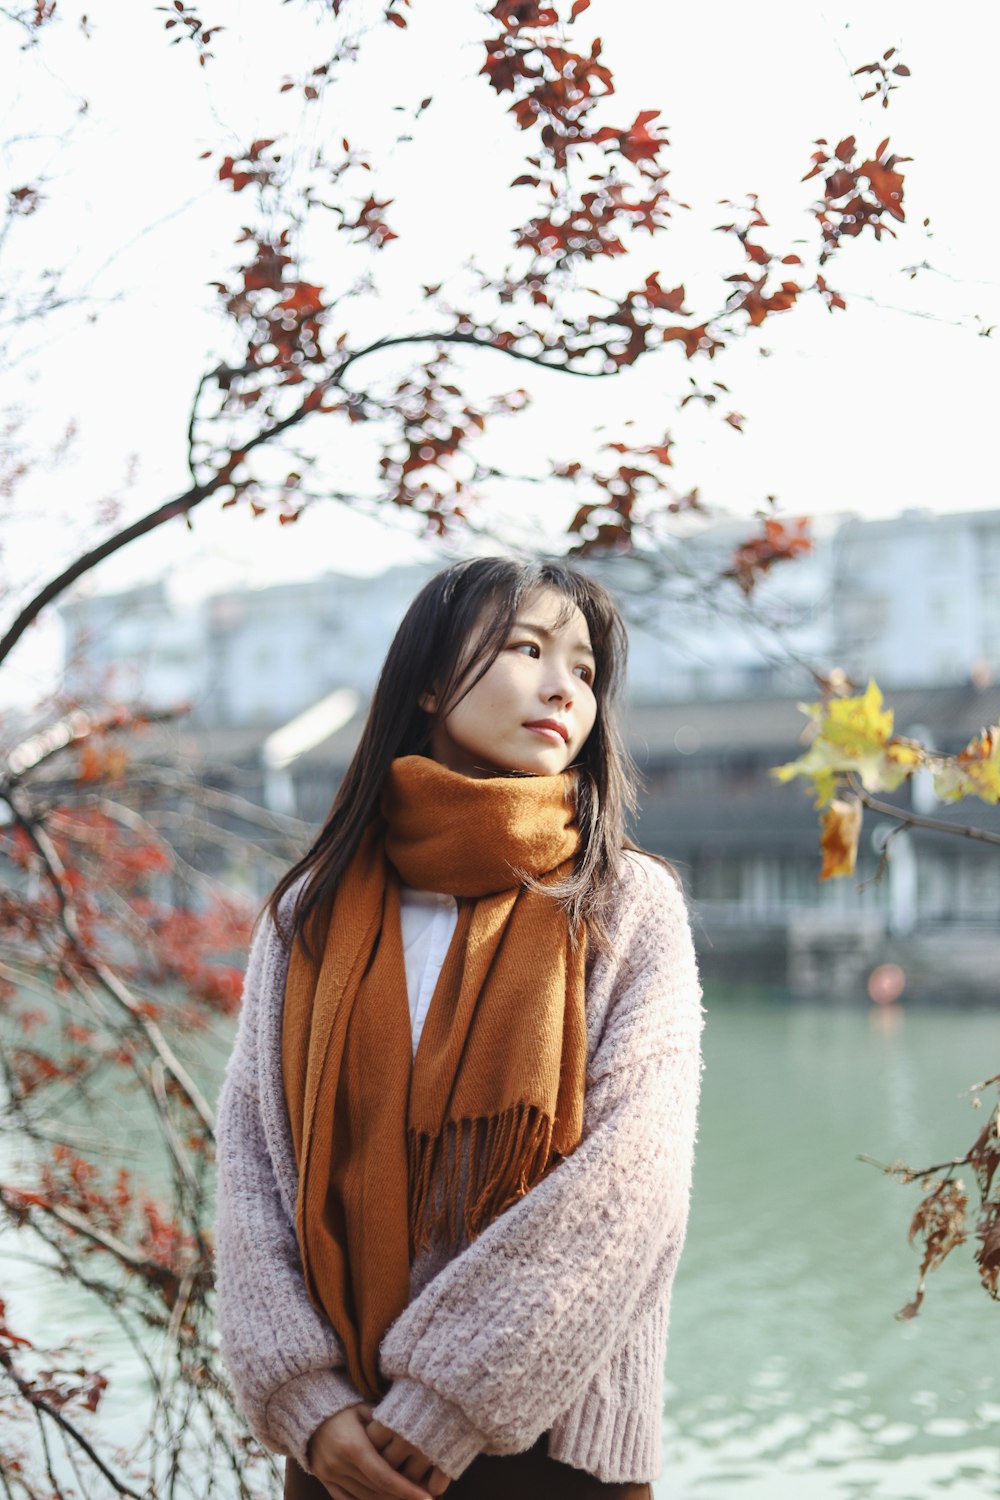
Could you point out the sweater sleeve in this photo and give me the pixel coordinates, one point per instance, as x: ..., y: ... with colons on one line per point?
x: 512, y: 1330
x: 284, y: 1358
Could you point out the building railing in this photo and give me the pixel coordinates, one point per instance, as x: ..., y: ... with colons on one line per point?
x: 779, y: 913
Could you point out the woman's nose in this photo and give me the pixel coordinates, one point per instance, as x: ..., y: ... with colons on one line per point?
x: 562, y: 687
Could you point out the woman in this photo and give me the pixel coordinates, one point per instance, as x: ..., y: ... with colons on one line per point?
x: 456, y: 1133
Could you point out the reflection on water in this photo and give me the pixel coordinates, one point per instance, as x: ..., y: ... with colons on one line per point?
x: 788, y: 1374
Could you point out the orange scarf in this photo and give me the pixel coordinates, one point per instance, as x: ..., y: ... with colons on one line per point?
x: 500, y: 1066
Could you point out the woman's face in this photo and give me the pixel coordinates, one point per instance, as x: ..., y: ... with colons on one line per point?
x: 545, y: 671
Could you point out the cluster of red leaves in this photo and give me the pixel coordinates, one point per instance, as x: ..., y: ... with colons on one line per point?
x: 778, y: 541
x: 555, y: 90
x: 163, y: 1242
x: 191, y: 28
x: 89, y: 835
x: 856, y: 195
x: 753, y: 295
x: 940, y: 1219
x: 280, y: 317
x: 279, y: 313
x: 883, y: 84
x: 609, y: 523
x: 158, y: 1247
x: 434, y: 423
x: 370, y: 223
x: 56, y: 1388
x: 31, y: 1069
x: 98, y: 852
x: 255, y: 166
x: 62, y: 1388
x: 105, y: 761
x: 984, y: 1158
x: 940, y: 1222
x: 178, y: 947
x: 182, y: 949
x: 71, y: 1182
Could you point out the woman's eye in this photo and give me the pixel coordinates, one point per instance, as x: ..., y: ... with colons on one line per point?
x: 531, y: 646
x: 587, y: 674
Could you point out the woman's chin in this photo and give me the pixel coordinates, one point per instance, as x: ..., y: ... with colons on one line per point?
x: 543, y: 762
x: 500, y: 760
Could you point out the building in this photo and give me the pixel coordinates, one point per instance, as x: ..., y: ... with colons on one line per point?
x: 745, y: 845
x: 280, y: 678
x: 135, y: 647
x: 913, y: 601
x: 243, y: 657
x: 916, y: 601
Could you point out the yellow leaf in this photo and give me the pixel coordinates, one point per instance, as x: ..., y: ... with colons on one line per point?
x: 826, y: 785
x: 905, y: 752
x: 854, y: 734
x: 974, y: 771
x: 860, y: 725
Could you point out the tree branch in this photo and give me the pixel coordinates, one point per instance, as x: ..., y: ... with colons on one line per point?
x: 110, y: 982
x: 920, y: 820
x: 35, y: 1399
x: 183, y: 504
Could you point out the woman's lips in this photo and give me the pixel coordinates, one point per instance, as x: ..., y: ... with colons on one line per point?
x: 550, y: 734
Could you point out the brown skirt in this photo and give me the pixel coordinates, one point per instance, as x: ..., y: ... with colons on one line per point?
x: 510, y: 1476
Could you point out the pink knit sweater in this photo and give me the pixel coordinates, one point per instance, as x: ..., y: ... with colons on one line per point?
x: 555, y: 1318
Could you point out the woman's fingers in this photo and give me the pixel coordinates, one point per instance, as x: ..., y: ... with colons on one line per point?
x: 351, y: 1488
x: 378, y: 1433
x: 374, y: 1471
x: 348, y: 1464
x: 406, y: 1460
x: 416, y: 1467
x: 401, y: 1455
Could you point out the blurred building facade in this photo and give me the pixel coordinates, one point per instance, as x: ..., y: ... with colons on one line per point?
x: 279, y: 680
x: 917, y: 598
x: 242, y: 657
x: 913, y: 601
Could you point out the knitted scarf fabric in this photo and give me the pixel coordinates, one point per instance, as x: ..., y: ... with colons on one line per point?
x: 498, y: 1077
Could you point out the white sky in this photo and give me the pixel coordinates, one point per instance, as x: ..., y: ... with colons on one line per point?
x: 890, y: 404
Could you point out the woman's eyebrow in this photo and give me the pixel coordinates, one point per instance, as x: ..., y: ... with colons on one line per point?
x: 548, y: 636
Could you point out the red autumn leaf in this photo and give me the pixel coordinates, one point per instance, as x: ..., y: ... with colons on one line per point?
x: 303, y: 297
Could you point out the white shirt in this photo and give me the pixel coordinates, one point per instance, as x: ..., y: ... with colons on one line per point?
x: 428, y: 920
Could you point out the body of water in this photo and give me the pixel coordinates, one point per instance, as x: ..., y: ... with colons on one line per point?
x: 788, y: 1375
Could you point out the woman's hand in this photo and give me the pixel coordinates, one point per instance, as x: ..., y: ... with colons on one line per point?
x: 344, y: 1454
x: 407, y: 1459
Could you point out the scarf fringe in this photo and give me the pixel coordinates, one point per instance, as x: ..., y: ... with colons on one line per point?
x: 508, y: 1153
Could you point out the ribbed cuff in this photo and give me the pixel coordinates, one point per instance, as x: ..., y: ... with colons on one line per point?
x: 302, y: 1404
x: 432, y: 1423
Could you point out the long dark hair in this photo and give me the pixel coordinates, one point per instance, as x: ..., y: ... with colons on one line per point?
x: 430, y: 649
